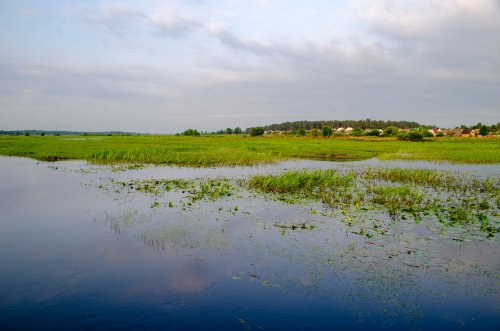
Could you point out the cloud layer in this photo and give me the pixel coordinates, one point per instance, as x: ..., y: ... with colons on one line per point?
x: 212, y: 65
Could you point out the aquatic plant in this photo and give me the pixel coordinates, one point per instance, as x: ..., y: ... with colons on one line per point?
x: 194, y: 190
x: 453, y: 200
x: 397, y: 199
x: 435, y: 179
x: 308, y: 182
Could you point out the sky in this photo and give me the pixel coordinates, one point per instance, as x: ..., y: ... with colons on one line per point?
x: 165, y: 66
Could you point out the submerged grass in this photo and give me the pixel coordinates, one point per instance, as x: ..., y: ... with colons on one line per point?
x: 439, y: 197
x: 192, y: 189
x: 397, y: 198
x: 243, y: 150
x: 415, y: 193
x: 431, y: 178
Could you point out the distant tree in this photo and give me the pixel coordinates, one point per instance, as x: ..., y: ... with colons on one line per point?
x: 427, y: 134
x: 327, y: 131
x: 440, y: 134
x: 367, y: 123
x: 302, y: 132
x: 237, y: 130
x: 314, y: 132
x: 483, y: 131
x: 27, y: 133
x: 357, y: 132
x: 256, y: 131
x: 42, y: 134
x: 411, y: 136
x: 391, y: 131
x: 373, y: 133
x: 190, y: 132
x: 415, y: 136
x: 229, y: 131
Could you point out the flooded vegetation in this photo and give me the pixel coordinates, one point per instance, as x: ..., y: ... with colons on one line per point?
x: 450, y: 200
x: 298, y: 245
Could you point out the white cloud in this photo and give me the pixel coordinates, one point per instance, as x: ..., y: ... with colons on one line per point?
x: 121, y: 19
x: 413, y: 18
x: 429, y: 61
x: 172, y: 24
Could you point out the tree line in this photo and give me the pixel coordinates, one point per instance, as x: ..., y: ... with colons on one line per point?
x: 335, y: 124
x: 61, y: 133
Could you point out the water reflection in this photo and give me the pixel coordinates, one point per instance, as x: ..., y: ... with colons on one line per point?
x: 75, y: 255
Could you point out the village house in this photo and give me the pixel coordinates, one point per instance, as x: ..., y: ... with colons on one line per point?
x: 468, y: 133
x: 438, y: 130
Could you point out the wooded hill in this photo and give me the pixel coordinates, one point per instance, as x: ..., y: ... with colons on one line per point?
x: 362, y: 124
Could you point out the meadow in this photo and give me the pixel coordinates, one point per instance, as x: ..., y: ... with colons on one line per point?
x: 233, y: 150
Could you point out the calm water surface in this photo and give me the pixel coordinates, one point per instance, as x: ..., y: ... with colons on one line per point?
x: 75, y: 257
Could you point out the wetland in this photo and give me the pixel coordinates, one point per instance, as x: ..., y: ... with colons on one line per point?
x: 296, y: 244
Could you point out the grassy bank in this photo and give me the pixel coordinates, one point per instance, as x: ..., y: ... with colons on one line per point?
x: 243, y: 150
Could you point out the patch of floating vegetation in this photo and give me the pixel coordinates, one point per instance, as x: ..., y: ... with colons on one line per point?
x: 125, y: 167
x: 192, y: 190
x: 357, y: 197
x: 291, y: 225
x: 404, y: 193
x: 431, y: 178
x: 93, y: 169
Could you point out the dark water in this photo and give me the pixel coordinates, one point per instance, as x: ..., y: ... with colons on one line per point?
x: 76, y: 257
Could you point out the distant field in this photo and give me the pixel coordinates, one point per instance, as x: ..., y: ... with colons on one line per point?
x: 243, y: 150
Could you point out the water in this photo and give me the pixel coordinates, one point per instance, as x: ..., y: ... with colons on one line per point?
x: 73, y: 256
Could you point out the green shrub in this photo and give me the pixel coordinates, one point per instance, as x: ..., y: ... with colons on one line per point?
x: 411, y: 136
x: 256, y: 132
x: 327, y: 131
x: 191, y: 132
x: 373, y: 133
x: 427, y: 134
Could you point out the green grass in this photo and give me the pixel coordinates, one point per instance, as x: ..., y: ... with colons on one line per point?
x: 309, y: 182
x: 243, y: 150
x: 402, y: 193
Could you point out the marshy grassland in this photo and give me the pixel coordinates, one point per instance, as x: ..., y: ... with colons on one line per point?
x: 233, y: 150
x: 356, y: 197
x: 402, y: 193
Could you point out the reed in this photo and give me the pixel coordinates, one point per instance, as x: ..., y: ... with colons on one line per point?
x: 453, y: 200
x: 308, y: 182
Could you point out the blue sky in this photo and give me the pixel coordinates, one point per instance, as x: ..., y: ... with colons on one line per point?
x: 164, y: 66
